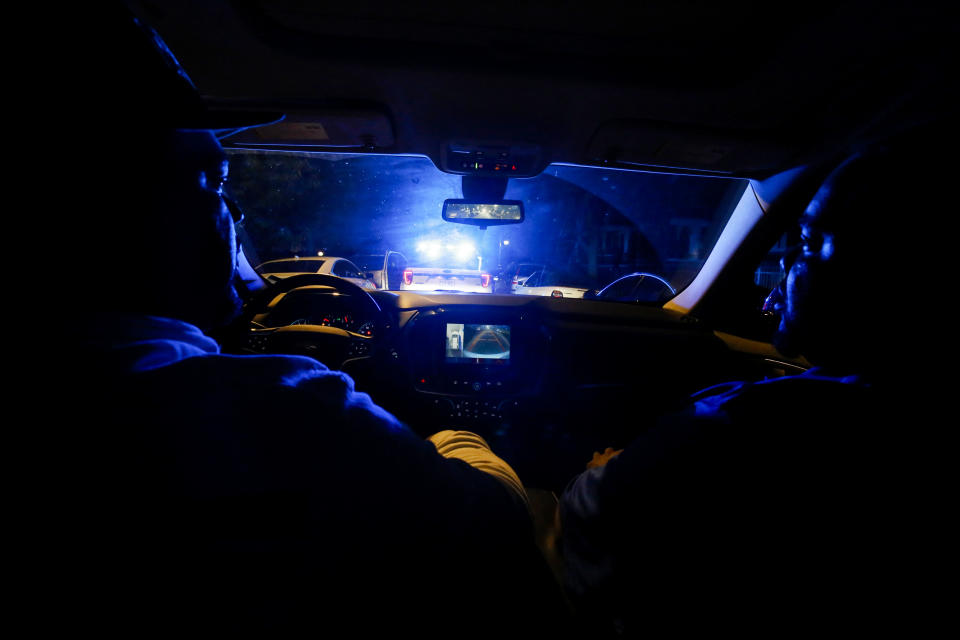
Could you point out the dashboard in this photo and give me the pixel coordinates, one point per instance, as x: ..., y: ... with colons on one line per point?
x: 540, y: 378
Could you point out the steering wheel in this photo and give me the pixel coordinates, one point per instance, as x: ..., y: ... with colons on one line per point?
x: 331, y: 345
x: 640, y: 291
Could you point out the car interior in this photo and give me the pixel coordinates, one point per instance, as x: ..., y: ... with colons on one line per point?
x: 496, y: 92
x: 714, y: 90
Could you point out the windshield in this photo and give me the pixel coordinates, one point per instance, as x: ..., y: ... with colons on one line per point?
x: 584, y: 226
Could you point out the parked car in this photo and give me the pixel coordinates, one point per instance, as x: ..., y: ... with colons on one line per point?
x: 522, y: 272
x: 384, y: 269
x: 637, y: 287
x: 554, y: 283
x: 330, y: 265
x: 446, y: 280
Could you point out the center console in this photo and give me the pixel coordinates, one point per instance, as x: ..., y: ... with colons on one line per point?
x: 474, y: 364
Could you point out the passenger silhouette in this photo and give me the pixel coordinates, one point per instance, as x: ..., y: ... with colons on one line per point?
x: 788, y: 503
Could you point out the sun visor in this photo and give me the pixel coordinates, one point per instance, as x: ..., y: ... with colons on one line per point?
x: 639, y: 144
x: 357, y: 129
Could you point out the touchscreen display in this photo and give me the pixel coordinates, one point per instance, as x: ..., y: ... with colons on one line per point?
x: 478, y: 343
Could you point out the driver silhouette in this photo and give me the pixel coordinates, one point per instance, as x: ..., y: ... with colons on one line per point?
x: 223, y: 493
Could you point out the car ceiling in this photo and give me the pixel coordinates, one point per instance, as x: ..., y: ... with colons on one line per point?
x: 725, y: 88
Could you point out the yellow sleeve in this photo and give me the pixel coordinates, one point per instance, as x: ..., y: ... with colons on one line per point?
x: 474, y: 450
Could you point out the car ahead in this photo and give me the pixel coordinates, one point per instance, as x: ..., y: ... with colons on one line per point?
x: 677, y: 139
x: 637, y: 287
x: 522, y: 272
x: 440, y: 279
x: 385, y: 270
x: 557, y: 284
x: 340, y: 267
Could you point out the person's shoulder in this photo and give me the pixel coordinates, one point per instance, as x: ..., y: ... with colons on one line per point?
x: 813, y: 385
x: 809, y: 382
x: 261, y: 370
x: 260, y: 379
x: 787, y: 399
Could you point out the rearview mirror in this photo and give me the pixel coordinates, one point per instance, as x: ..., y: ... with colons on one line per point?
x: 483, y: 214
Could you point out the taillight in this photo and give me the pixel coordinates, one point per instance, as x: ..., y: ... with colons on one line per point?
x: 407, y: 276
x: 485, y: 280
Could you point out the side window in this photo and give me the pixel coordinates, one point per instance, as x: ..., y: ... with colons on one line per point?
x: 746, y: 315
x: 769, y: 273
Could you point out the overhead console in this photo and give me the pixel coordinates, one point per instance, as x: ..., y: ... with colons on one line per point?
x: 516, y: 160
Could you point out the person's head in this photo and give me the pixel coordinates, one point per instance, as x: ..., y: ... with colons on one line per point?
x: 853, y: 281
x: 155, y: 237
x: 169, y: 232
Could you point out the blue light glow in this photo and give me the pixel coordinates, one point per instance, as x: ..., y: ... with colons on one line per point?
x: 454, y: 249
x: 464, y: 251
x: 430, y: 248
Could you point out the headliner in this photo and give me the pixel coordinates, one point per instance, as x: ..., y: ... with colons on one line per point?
x: 734, y: 88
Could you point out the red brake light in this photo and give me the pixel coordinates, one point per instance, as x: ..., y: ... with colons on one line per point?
x: 485, y: 280
x: 407, y: 276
